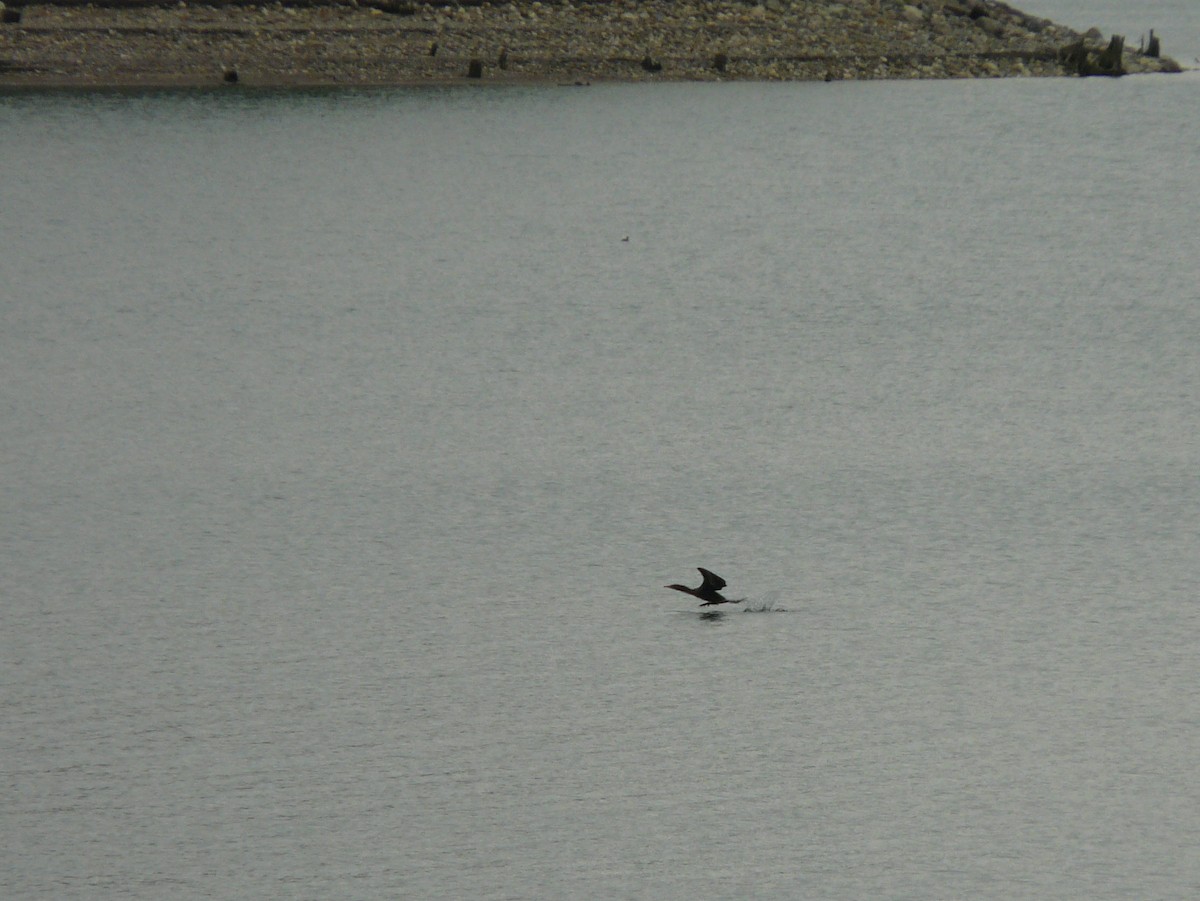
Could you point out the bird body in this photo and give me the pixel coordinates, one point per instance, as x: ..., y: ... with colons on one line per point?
x: 709, y: 590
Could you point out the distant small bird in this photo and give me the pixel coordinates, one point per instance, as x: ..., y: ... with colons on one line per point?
x: 709, y: 590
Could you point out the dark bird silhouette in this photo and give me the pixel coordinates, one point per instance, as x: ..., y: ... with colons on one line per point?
x: 709, y: 590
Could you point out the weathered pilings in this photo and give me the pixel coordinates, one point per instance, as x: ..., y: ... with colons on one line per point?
x: 1109, y: 60
x: 1152, y: 48
x: 1081, y: 60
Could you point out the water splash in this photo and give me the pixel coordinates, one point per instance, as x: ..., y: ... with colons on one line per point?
x: 768, y: 603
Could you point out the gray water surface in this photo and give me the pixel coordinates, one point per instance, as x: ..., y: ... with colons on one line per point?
x: 348, y: 445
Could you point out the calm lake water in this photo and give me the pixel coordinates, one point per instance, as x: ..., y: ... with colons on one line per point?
x: 348, y: 445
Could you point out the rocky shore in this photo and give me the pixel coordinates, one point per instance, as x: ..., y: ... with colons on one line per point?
x: 574, y: 41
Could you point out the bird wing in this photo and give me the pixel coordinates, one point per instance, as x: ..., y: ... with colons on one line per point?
x: 711, y: 580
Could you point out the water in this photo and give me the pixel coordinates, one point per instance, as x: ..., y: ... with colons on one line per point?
x: 348, y: 446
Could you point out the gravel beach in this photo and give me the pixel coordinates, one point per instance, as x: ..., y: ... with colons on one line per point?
x: 569, y: 42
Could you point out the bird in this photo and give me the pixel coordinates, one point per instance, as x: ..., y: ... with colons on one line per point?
x: 709, y: 590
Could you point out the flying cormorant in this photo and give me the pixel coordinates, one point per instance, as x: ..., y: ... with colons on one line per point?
x: 709, y: 590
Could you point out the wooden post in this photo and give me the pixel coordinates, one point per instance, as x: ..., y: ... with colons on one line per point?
x: 1152, y: 45
x: 1109, y: 60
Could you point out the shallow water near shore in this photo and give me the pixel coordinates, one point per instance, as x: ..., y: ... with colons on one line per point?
x: 350, y: 439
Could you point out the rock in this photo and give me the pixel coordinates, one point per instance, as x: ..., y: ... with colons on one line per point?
x: 991, y: 26
x: 394, y: 7
x: 111, y: 42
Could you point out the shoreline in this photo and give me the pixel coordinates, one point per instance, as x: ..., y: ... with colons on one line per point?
x: 397, y: 44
